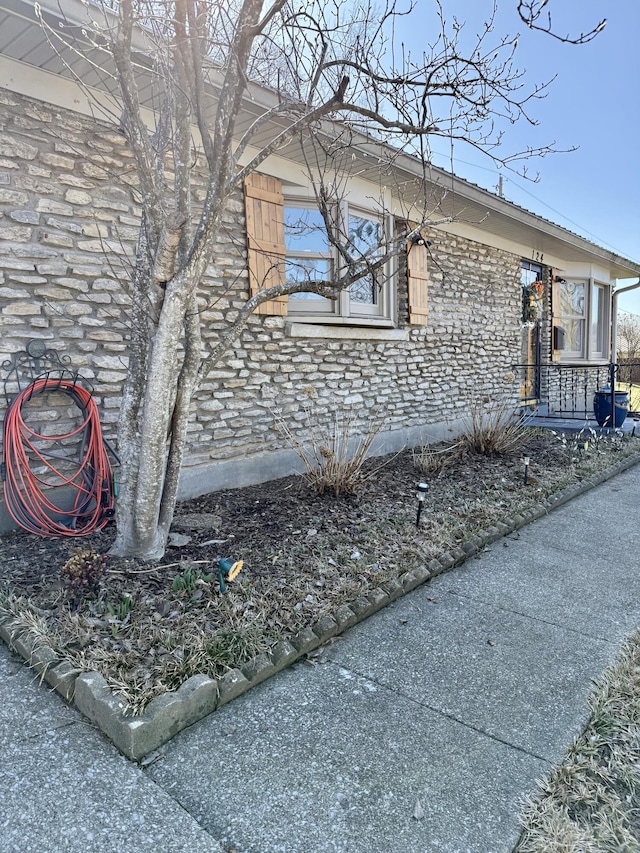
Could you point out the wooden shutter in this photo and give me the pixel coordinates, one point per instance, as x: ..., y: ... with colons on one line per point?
x: 417, y: 282
x: 264, y: 209
x: 556, y: 317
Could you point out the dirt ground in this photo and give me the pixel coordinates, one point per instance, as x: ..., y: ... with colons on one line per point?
x: 148, y: 627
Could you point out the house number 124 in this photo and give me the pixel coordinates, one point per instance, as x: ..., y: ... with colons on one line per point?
x: 538, y: 256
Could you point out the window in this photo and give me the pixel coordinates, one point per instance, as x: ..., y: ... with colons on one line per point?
x: 584, y: 316
x: 573, y: 309
x: 365, y: 236
x: 529, y: 273
x: 309, y: 257
x: 599, y: 321
x: 532, y: 306
x: 532, y: 292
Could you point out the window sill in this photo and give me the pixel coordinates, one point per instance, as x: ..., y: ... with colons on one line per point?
x: 584, y: 362
x: 365, y: 330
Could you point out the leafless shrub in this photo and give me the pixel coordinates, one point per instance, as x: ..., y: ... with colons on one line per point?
x: 335, y: 455
x: 434, y: 460
x: 493, y: 428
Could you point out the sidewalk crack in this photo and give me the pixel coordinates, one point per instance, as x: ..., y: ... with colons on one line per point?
x: 445, y: 714
x: 34, y: 736
x: 534, y: 618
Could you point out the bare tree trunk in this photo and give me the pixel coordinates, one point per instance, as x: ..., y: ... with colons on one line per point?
x: 129, y: 434
x: 141, y: 523
x: 187, y: 386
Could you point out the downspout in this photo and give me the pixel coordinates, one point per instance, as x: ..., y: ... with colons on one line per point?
x: 614, y: 318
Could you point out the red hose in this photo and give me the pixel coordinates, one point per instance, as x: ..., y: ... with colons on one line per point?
x: 29, y: 498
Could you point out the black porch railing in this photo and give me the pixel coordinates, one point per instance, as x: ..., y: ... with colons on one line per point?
x: 567, y: 390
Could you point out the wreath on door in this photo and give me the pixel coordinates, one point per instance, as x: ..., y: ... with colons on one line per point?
x: 532, y: 303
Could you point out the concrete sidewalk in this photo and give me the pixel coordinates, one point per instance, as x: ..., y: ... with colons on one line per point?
x: 419, y: 731
x: 64, y: 787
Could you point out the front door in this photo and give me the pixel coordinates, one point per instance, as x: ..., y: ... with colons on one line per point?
x: 530, y: 349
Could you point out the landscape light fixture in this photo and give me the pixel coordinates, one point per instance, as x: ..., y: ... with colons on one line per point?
x: 421, y: 494
x: 228, y: 570
x: 526, y: 461
x: 636, y: 421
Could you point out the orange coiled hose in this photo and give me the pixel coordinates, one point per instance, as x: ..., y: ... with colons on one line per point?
x: 29, y: 497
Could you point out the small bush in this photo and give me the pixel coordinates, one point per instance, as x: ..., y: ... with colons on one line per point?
x: 431, y: 461
x: 334, y: 459
x: 493, y: 429
x: 83, y: 572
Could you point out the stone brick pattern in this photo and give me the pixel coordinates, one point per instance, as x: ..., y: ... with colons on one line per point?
x: 68, y: 226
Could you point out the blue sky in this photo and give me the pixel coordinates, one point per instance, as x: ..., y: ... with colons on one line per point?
x: 594, y: 104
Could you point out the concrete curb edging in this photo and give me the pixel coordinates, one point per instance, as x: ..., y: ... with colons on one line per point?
x: 200, y: 695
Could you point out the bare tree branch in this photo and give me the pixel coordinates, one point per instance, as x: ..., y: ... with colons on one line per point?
x: 537, y: 16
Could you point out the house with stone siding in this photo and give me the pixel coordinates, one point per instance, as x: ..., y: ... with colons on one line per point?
x: 471, y: 313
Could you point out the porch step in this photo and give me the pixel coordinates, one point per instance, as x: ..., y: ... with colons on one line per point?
x: 575, y: 425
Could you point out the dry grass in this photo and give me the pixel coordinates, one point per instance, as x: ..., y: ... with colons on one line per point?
x: 433, y: 460
x: 335, y: 455
x: 591, y: 803
x: 493, y: 428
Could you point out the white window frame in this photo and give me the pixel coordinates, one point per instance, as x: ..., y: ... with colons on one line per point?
x: 317, y: 305
x: 344, y: 310
x: 590, y: 350
x: 599, y: 337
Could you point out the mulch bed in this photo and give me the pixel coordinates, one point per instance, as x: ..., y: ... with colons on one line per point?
x: 149, y: 627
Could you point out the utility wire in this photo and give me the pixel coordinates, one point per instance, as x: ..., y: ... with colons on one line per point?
x: 548, y: 206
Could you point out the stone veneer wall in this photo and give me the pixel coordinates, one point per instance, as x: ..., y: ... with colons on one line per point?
x: 68, y: 224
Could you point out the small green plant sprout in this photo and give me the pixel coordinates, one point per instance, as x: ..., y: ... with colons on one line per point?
x: 83, y: 572
x: 187, y: 580
x: 228, y: 570
x: 119, y: 613
x: 121, y: 610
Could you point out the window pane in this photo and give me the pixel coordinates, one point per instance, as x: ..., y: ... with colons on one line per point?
x: 598, y: 320
x: 364, y: 291
x: 574, y: 335
x: 365, y: 235
x: 307, y: 269
x: 529, y: 273
x: 572, y: 299
x: 304, y: 231
x: 305, y: 240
